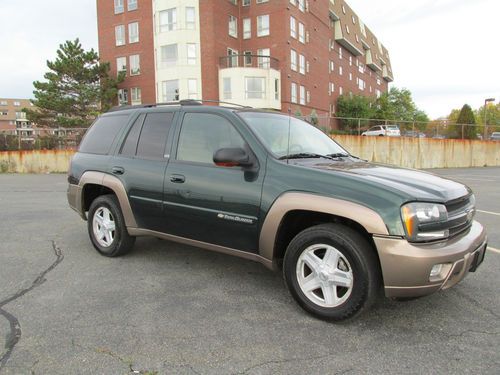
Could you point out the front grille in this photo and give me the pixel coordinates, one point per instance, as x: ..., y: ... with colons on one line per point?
x: 460, y: 214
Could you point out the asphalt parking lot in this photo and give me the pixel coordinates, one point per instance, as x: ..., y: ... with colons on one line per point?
x: 172, y: 309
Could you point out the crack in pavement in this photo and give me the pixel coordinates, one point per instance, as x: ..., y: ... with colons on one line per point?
x: 15, y: 328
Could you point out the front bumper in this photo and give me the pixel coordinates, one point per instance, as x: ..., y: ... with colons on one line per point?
x: 406, y: 267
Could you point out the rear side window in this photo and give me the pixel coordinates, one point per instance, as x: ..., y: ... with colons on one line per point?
x: 101, y: 135
x: 154, y: 134
x: 129, y: 147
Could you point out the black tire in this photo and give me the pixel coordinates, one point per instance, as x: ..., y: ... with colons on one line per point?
x: 362, y: 260
x: 122, y: 242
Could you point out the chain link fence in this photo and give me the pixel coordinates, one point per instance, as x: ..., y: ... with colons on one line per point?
x: 41, y: 139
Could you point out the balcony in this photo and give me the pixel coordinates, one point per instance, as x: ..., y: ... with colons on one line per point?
x: 250, y: 80
x: 370, y: 62
x: 341, y: 39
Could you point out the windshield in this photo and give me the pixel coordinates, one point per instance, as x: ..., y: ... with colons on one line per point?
x: 392, y: 127
x: 272, y: 130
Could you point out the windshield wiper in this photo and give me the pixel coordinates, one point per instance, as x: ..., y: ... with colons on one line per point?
x: 339, y: 155
x: 306, y: 155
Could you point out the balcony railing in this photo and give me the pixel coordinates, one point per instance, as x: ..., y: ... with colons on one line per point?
x: 249, y: 61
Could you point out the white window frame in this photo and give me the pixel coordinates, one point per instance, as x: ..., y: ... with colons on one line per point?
x: 247, y: 28
x: 191, y: 53
x: 120, y: 39
x: 264, y: 62
x: 133, y: 32
x: 293, y: 94
x: 302, y: 33
x: 293, y: 27
x: 302, y: 64
x: 249, y: 94
x: 293, y: 60
x: 226, y: 84
x: 119, y: 6
x: 262, y: 28
x: 302, y: 96
x: 135, y: 96
x: 192, y: 84
x: 171, y: 17
x: 164, y: 93
x: 131, y: 5
x: 135, y: 65
x: 122, y: 60
x: 190, y: 22
x: 233, y: 26
x: 169, y: 62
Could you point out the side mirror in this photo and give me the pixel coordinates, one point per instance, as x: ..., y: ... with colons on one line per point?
x: 232, y: 157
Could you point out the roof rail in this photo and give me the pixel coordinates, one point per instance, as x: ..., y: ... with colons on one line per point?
x: 184, y: 102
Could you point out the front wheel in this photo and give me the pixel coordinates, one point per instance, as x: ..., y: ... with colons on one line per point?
x: 332, y: 271
x: 106, y: 227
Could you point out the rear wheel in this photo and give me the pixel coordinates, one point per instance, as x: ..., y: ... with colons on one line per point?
x: 332, y: 271
x: 106, y: 227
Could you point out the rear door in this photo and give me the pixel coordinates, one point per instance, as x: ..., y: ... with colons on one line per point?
x: 205, y: 202
x: 140, y: 163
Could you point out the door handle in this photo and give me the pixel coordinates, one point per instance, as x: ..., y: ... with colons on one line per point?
x: 117, y: 170
x: 177, y: 178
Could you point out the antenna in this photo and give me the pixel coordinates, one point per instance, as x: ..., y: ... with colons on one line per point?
x: 289, y: 130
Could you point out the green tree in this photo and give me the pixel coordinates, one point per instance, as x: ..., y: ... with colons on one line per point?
x: 398, y: 105
x: 467, y: 117
x: 76, y: 89
x: 354, y: 107
x: 313, y: 118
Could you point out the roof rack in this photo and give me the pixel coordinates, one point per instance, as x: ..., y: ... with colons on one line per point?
x: 184, y: 102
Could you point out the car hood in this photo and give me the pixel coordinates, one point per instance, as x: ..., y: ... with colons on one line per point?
x: 418, y: 185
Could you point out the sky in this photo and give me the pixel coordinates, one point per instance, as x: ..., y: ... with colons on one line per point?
x: 445, y: 51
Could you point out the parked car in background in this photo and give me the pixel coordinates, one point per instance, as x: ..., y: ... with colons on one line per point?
x: 439, y: 136
x: 495, y: 136
x: 414, y: 134
x: 383, y: 130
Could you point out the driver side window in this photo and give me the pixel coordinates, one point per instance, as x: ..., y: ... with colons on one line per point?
x: 202, y: 134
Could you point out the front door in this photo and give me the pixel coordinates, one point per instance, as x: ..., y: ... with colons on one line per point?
x: 205, y: 202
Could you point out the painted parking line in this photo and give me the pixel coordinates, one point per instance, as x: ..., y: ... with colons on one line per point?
x: 492, y: 249
x: 489, y: 212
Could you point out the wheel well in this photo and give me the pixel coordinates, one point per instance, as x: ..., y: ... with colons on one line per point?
x: 91, y: 192
x: 296, y: 221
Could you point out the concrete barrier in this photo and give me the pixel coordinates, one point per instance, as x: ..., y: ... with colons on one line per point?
x: 40, y: 161
x: 417, y: 153
x: 423, y: 153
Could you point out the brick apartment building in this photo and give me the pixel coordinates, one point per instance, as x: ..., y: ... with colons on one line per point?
x: 281, y: 54
x: 13, y: 120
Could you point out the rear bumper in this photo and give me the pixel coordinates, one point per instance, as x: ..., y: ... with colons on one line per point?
x: 406, y: 267
x: 74, y: 195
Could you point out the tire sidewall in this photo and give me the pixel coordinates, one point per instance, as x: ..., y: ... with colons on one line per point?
x: 359, y: 269
x: 107, y: 202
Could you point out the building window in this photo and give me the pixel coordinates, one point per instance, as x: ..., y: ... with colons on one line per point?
x: 277, y: 89
x: 246, y: 3
x: 293, y: 27
x: 341, y: 91
x: 340, y: 53
x: 191, y: 54
x: 119, y: 6
x: 293, y: 60
x: 192, y: 88
x: 121, y: 65
x: 168, y: 55
x: 347, y: 29
x: 378, y: 80
x: 262, y: 1
x: 233, y: 26
x: 302, y: 33
x: 133, y: 32
x: 294, y: 93
x: 226, y: 83
x: 135, y: 65
x: 263, y: 25
x: 120, y: 35
x: 170, y: 90
x: 122, y: 97
x: 341, y: 71
x: 255, y: 88
x: 350, y: 60
x: 350, y: 76
x: 331, y: 88
x: 361, y: 84
x: 17, y: 104
x: 378, y: 93
x: 234, y: 2
x: 302, y: 95
x: 264, y: 62
x: 232, y: 60
x: 247, y: 28
x: 136, y: 95
x: 190, y: 18
x: 247, y: 61
x: 302, y: 5
x: 168, y: 20
x: 3, y: 102
x: 332, y: 66
x: 302, y: 64
x: 132, y: 5
x: 308, y: 95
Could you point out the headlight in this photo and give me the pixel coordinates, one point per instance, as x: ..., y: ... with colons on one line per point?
x: 421, y: 221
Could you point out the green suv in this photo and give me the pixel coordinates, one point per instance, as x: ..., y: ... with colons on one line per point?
x: 274, y: 189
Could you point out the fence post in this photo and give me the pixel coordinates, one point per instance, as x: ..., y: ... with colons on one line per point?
x: 463, y: 131
x: 413, y: 127
x: 359, y: 126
